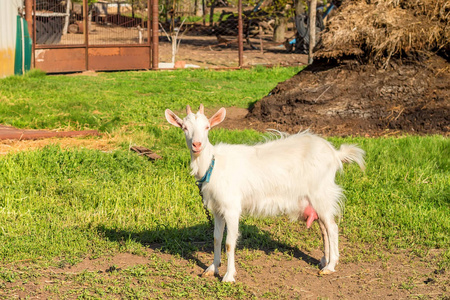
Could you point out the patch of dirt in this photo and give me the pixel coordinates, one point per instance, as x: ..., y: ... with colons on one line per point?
x: 198, y: 47
x: 206, y: 52
x: 12, y: 133
x: 348, y: 98
x: 104, y: 264
x: 262, y: 274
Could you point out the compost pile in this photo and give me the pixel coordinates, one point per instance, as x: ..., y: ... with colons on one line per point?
x: 383, y: 68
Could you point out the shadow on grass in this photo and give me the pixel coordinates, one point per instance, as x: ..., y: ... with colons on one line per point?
x: 186, y: 241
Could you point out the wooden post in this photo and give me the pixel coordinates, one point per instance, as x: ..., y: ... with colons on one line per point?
x: 312, y: 29
x: 204, y: 12
x: 67, y: 17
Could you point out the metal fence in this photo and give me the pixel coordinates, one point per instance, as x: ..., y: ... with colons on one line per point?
x: 208, y: 35
x: 61, y: 22
x: 189, y: 33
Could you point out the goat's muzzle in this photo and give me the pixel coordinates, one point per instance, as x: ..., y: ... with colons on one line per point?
x: 196, y: 147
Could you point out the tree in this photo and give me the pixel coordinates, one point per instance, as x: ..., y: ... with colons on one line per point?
x: 283, y: 10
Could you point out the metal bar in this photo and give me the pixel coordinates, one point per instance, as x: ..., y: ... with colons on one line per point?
x: 29, y: 18
x: 240, y: 36
x: 149, y: 32
x: 43, y: 46
x: 86, y: 32
x: 217, y: 68
x: 155, y: 38
x: 51, y: 14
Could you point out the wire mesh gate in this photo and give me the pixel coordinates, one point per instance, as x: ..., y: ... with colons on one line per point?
x: 78, y: 35
x: 71, y: 35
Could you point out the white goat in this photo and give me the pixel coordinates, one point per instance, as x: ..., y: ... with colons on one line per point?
x: 292, y: 175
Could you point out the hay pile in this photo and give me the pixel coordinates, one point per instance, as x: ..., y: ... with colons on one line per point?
x: 381, y: 29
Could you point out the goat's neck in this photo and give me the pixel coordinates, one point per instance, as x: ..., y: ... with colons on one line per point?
x: 201, y: 163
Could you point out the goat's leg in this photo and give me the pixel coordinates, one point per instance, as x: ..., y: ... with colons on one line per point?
x: 332, y: 230
x: 219, y: 224
x: 326, y: 245
x: 232, y: 236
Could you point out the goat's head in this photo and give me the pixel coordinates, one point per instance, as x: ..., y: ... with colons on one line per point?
x: 196, y: 126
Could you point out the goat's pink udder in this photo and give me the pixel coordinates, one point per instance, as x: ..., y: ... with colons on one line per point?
x: 310, y: 215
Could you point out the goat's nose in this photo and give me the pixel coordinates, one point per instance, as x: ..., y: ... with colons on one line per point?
x: 196, y: 145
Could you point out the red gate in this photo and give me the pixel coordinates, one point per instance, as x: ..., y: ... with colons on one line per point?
x: 71, y: 36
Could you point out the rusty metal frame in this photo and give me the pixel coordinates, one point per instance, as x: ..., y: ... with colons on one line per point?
x: 155, y: 36
x: 152, y: 43
x: 240, y: 35
x: 88, y: 48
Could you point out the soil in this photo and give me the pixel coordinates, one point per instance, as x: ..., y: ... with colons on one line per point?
x: 198, y: 47
x: 264, y: 274
x: 348, y: 98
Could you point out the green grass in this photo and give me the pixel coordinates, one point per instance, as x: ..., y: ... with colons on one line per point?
x: 58, y: 206
x: 112, y: 100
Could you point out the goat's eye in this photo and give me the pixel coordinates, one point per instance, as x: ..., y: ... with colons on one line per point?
x: 207, y: 127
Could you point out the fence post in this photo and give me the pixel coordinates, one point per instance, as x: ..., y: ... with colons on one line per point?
x: 312, y: 29
x: 29, y: 19
x: 240, y: 36
x: 86, y: 32
x: 29, y: 16
x: 155, y: 37
x: 149, y: 32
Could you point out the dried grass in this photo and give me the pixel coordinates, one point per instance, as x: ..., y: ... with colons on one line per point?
x: 14, y: 146
x: 382, y: 29
x: 106, y: 142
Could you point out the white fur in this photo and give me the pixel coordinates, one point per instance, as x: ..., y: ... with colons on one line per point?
x: 281, y: 176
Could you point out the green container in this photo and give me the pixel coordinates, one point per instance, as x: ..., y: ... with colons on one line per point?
x: 22, y: 62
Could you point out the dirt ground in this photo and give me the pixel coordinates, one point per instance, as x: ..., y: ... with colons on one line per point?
x: 264, y: 274
x: 207, y: 52
x: 198, y: 47
x: 347, y: 98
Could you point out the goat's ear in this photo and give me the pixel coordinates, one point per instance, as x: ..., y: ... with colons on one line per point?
x: 188, y: 109
x: 218, y: 117
x: 173, y: 119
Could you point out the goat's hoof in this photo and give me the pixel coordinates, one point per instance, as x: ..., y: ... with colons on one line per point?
x: 208, y: 274
x: 210, y: 271
x: 228, y: 278
x: 326, y: 272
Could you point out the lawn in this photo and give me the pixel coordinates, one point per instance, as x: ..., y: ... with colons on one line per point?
x: 61, y: 206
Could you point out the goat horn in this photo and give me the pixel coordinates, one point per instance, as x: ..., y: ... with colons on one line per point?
x: 201, y: 109
x: 188, y: 110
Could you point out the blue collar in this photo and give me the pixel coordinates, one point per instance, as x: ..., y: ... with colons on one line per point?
x: 207, y: 175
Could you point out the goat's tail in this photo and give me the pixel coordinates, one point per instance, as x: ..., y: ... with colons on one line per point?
x: 352, y: 153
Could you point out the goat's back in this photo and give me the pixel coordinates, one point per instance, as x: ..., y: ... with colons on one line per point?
x: 286, y: 153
